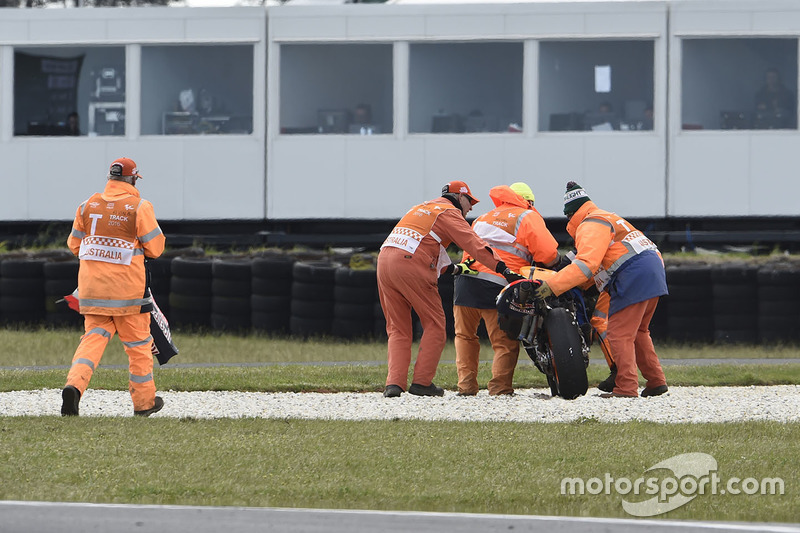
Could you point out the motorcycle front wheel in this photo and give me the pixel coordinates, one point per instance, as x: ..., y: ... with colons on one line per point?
x: 566, y: 351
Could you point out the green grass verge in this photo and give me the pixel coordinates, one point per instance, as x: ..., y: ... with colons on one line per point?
x: 361, y: 378
x: 403, y: 465
x: 44, y: 347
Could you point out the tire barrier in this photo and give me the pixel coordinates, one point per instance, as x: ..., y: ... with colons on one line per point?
x: 272, y: 292
x: 778, y: 310
x: 22, y: 296
x: 354, y: 295
x: 60, y: 279
x: 688, y: 310
x: 311, y: 309
x: 271, y: 298
x: 231, y: 290
x: 190, y: 292
x: 159, y: 272
x: 735, y: 303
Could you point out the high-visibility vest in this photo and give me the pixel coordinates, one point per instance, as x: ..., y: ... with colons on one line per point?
x: 499, y: 229
x: 627, y: 243
x: 112, y: 278
x: 415, y: 225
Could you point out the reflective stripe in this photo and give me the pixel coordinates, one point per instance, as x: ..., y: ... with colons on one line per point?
x: 150, y: 236
x: 600, y: 221
x: 141, y: 379
x: 99, y: 331
x: 83, y: 206
x: 489, y: 277
x: 78, y: 234
x: 435, y: 237
x: 519, y: 220
x: 138, y: 251
x: 134, y: 344
x: 86, y: 302
x: 82, y: 361
x: 618, y: 263
x: 599, y: 314
x: 584, y: 268
x: 517, y: 250
x: 602, y: 335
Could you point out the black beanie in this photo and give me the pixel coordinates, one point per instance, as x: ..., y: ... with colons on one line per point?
x: 574, y: 198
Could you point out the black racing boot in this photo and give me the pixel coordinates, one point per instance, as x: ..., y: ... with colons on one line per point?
x: 70, y: 397
x: 421, y: 390
x: 607, y: 385
x: 156, y: 408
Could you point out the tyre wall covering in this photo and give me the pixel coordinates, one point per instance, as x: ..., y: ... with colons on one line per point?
x: 733, y: 302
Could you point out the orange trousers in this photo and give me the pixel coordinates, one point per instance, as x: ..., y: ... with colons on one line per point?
x: 629, y: 335
x: 404, y: 282
x: 134, y: 332
x: 599, y: 322
x: 468, y: 347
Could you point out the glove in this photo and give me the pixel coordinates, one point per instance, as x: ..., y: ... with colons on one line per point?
x: 512, y: 276
x: 507, y: 273
x: 542, y: 291
x: 465, y: 267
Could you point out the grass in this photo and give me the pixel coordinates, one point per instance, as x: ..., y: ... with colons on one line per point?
x: 358, y: 378
x: 497, y: 467
x: 46, y: 347
x: 403, y: 465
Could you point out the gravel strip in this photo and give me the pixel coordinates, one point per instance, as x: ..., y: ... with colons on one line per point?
x: 679, y: 405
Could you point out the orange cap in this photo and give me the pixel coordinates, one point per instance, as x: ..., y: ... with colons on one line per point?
x: 459, y: 187
x: 124, y: 166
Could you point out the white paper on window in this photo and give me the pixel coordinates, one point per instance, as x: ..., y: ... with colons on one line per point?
x: 602, y: 78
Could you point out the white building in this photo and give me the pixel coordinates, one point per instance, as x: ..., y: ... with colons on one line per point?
x: 359, y: 111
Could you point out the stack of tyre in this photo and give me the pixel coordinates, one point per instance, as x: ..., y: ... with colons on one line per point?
x: 735, y: 294
x: 778, y: 303
x: 190, y: 292
x: 22, y: 299
x: 60, y: 280
x: 230, y: 294
x: 271, y: 298
x: 160, y: 273
x: 689, y: 306
x: 355, y: 295
x: 313, y: 294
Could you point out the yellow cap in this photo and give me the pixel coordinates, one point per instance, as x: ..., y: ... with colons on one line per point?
x: 523, y: 190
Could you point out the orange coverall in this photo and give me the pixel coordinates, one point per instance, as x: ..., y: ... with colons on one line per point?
x: 604, y: 239
x: 517, y: 233
x: 112, y: 233
x: 408, y: 279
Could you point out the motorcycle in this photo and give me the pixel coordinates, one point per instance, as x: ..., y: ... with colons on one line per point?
x: 555, y: 332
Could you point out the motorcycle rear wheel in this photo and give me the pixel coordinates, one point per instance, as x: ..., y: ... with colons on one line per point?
x: 566, y: 351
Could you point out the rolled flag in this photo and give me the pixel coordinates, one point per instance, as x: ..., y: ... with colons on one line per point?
x: 162, y: 347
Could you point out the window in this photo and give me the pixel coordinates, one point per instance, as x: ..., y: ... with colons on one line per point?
x: 69, y: 91
x: 465, y: 87
x: 194, y: 90
x: 336, y: 88
x: 596, y: 85
x: 739, y: 84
